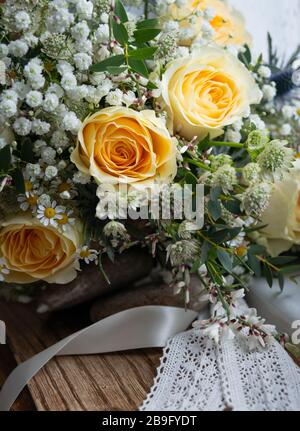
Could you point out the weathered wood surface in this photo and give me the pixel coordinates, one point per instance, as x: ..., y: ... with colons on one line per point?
x: 98, y: 382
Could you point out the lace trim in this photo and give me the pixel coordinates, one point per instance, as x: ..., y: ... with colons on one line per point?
x: 195, y: 374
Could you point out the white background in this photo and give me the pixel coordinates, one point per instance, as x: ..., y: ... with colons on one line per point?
x: 280, y: 17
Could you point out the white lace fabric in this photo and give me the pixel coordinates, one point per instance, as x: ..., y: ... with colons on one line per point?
x: 197, y: 375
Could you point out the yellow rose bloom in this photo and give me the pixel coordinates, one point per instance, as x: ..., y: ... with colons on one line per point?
x: 207, y: 91
x: 34, y: 252
x: 282, y: 216
x: 119, y: 145
x: 228, y: 24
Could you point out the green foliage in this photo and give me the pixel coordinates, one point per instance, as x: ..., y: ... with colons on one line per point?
x: 120, y: 11
x: 136, y: 51
x: 5, y: 159
x: 18, y: 180
x: 120, y: 33
x: 245, y: 56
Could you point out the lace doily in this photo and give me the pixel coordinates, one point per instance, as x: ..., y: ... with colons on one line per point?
x: 195, y: 374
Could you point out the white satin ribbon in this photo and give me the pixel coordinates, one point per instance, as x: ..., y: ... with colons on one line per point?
x: 138, y: 328
x: 281, y: 308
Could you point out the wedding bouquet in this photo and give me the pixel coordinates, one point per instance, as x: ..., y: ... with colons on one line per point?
x: 111, y: 116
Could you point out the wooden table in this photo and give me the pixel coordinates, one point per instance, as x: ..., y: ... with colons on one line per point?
x: 98, y: 382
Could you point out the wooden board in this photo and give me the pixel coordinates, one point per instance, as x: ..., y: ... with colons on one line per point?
x: 98, y: 382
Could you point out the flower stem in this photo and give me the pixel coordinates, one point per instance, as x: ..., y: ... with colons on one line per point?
x: 198, y: 164
x: 226, y: 144
x: 146, y: 8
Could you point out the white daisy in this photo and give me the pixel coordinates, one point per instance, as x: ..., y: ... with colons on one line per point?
x: 3, y: 269
x: 49, y: 213
x: 64, y: 220
x: 58, y: 185
x: 87, y: 254
x: 28, y: 201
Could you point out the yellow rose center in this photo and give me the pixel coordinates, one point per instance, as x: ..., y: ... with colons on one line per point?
x: 64, y: 187
x: 208, y: 95
x: 50, y: 213
x: 63, y: 220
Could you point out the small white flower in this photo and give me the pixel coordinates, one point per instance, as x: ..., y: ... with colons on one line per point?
x: 49, y: 214
x: 55, y: 89
x: 102, y: 33
x: 114, y: 98
x: 65, y: 221
x: 33, y: 170
x: 84, y: 45
x: 61, y: 186
x: 3, y: 270
x: 129, y: 98
x: 34, y: 99
x: 84, y: 9
x: 102, y: 53
x: 8, y: 108
x: 18, y: 48
x: 81, y: 178
x: 28, y: 201
x: 48, y: 155
x: 82, y: 61
x: 269, y: 92
x: 22, y: 20
x: 68, y: 81
x: 87, y: 254
x: 51, y: 102
x: 40, y: 127
x: 22, y: 126
x: 80, y: 31
x: 233, y: 136
x: 50, y: 172
x: 286, y: 129
x: 31, y: 40
x: 264, y: 72
x: 3, y: 50
x: 71, y: 122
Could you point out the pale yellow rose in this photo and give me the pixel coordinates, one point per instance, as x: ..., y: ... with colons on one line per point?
x: 34, y: 252
x: 119, y: 145
x: 207, y: 91
x: 228, y: 24
x: 282, y: 216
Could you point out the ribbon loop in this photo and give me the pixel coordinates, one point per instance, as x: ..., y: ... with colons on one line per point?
x: 138, y: 328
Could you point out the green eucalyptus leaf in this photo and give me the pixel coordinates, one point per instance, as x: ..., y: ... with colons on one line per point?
x: 147, y: 23
x: 268, y: 274
x: 139, y: 67
x: 120, y: 33
x: 145, y: 35
x: 215, y: 193
x: 225, y: 259
x: 115, y: 61
x: 114, y: 70
x: 215, y: 209
x: 254, y: 264
x: 143, y: 53
x: 5, y: 158
x: 120, y: 11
